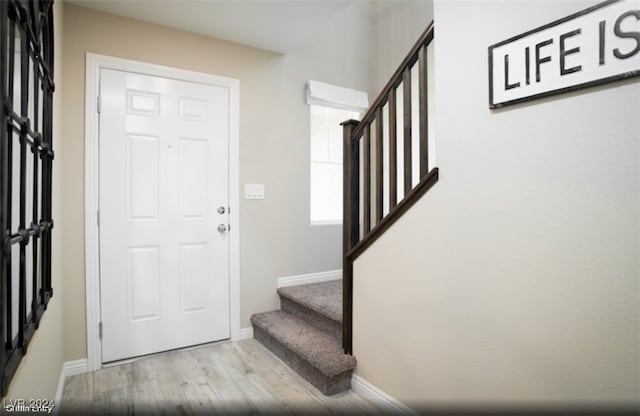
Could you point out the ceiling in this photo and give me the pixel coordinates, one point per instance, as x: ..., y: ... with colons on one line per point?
x: 274, y: 25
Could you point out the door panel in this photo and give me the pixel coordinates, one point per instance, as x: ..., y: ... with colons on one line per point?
x: 193, y: 176
x: 143, y: 285
x: 164, y: 267
x: 193, y: 269
x: 142, y: 177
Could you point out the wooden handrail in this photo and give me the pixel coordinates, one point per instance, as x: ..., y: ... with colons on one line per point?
x: 409, y: 200
x: 396, y: 78
x: 355, y: 133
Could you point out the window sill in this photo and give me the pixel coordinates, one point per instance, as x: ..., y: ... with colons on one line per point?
x: 320, y: 223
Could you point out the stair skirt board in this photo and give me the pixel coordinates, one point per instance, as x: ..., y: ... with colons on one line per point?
x: 321, y: 322
x: 327, y: 385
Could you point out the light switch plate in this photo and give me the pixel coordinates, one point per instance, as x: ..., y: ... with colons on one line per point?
x: 253, y: 191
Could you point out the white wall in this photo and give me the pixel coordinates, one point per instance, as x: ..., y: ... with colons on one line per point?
x: 37, y: 375
x: 276, y: 237
x: 515, y: 279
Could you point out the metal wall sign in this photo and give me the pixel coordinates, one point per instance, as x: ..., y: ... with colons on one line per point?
x: 594, y: 46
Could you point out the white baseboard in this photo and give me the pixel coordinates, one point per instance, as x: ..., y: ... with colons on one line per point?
x: 305, y: 279
x: 69, y: 368
x: 58, y: 397
x: 366, y: 389
x: 245, y: 333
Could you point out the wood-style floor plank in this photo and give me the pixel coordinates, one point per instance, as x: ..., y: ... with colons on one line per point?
x: 222, y: 378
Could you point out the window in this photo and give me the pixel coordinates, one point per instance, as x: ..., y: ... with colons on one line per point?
x: 326, y: 163
x: 26, y: 156
x: 329, y: 106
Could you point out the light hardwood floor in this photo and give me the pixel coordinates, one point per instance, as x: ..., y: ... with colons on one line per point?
x: 229, y: 378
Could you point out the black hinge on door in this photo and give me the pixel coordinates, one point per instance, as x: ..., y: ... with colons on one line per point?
x: 100, y: 330
x: 99, y: 104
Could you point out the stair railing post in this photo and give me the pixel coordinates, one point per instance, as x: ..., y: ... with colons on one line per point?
x: 350, y: 225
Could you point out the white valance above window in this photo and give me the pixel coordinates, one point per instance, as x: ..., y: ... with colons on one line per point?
x: 319, y: 93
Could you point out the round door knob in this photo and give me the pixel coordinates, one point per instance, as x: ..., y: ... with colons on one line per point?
x: 222, y: 228
x: 221, y: 210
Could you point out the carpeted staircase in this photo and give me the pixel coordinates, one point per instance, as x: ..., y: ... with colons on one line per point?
x: 307, y: 334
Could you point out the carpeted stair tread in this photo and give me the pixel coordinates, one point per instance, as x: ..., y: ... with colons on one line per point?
x: 318, y: 348
x: 324, y: 298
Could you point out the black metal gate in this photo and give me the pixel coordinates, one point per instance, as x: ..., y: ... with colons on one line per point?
x: 26, y: 155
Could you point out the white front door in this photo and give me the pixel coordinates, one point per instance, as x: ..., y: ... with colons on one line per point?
x: 164, y: 265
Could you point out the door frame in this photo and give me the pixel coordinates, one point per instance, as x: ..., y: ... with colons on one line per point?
x: 94, y: 63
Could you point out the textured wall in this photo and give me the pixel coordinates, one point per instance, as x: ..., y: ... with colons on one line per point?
x: 515, y: 279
